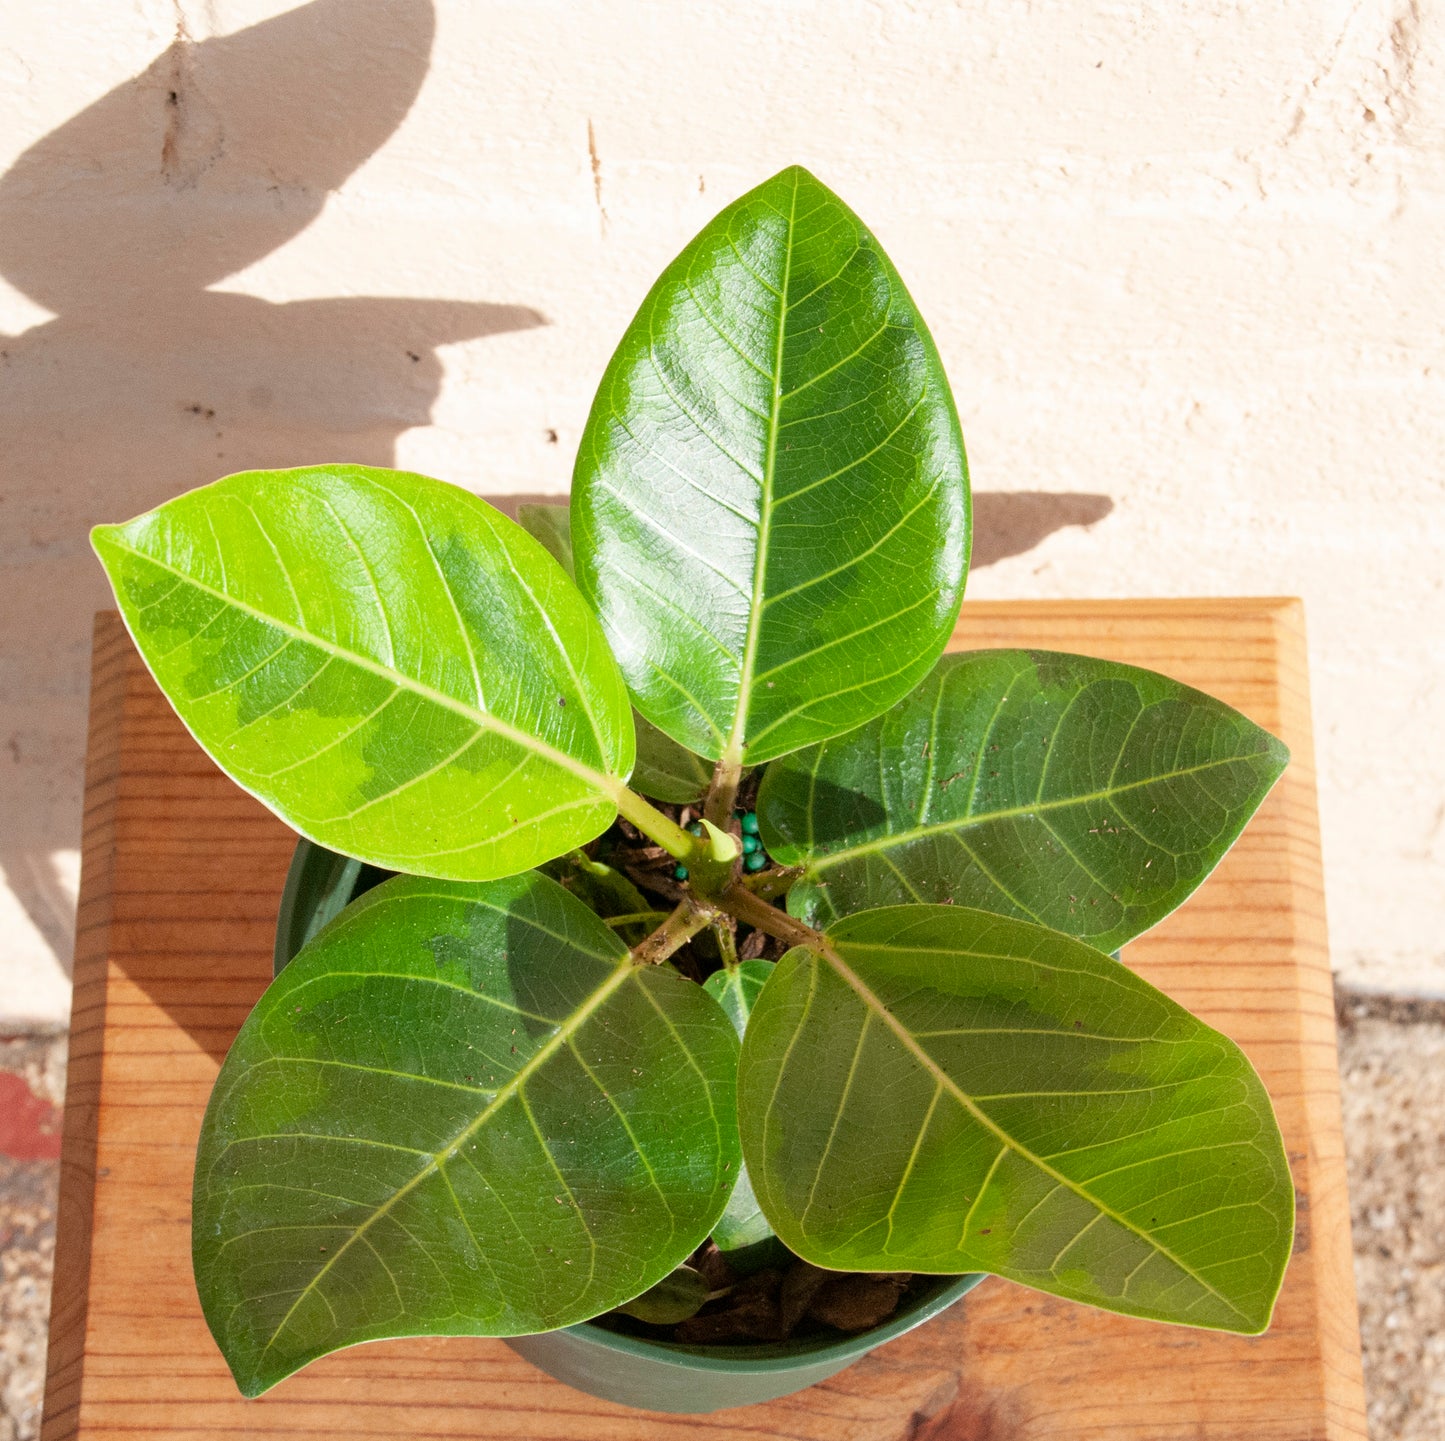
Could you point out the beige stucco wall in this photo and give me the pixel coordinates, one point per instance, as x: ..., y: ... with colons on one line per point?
x: 1182, y: 260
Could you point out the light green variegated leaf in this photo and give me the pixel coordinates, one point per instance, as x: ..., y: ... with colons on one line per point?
x: 1089, y: 796
x: 461, y: 1110
x: 395, y: 668
x: 770, y: 505
x: 736, y: 988
x: 665, y: 770
x: 946, y: 1090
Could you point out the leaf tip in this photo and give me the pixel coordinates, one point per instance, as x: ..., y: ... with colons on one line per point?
x: 795, y: 172
x: 1256, y: 1323
x: 103, y: 536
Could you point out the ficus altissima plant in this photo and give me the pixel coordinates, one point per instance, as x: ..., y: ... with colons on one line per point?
x: 724, y: 904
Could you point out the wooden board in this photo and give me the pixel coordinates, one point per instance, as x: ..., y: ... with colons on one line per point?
x: 182, y: 874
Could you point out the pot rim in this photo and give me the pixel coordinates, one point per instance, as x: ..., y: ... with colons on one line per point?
x: 776, y: 1356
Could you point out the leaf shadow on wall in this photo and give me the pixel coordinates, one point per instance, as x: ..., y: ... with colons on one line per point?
x: 148, y: 382
x: 1009, y: 523
x: 1006, y: 523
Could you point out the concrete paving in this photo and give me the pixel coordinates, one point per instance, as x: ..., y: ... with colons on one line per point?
x: 1392, y: 1063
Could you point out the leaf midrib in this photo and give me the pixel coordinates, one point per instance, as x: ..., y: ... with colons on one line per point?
x: 608, y: 785
x: 566, y: 1030
x: 968, y: 822
x: 736, y: 744
x: 874, y: 1004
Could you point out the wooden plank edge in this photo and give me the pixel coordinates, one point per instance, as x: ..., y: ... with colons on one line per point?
x: 70, y: 1292
x: 1331, y: 1254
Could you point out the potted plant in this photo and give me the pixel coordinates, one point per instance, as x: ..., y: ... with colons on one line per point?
x: 697, y: 973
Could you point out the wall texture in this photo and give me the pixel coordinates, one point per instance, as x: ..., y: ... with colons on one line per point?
x: 1182, y: 261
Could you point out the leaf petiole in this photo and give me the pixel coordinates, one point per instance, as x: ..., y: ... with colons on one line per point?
x: 717, y: 805
x: 635, y: 918
x: 660, y: 828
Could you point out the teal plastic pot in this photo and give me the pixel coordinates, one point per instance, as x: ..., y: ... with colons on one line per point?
x: 663, y: 1376
x: 652, y: 1375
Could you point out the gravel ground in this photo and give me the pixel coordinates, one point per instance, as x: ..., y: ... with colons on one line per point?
x: 1392, y: 1065
x: 32, y: 1087
x: 1392, y: 1062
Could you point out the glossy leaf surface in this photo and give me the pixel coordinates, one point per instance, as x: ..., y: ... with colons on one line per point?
x: 394, y: 667
x: 956, y: 1091
x: 1085, y: 795
x: 461, y: 1110
x: 770, y: 505
x: 665, y: 770
x: 735, y: 989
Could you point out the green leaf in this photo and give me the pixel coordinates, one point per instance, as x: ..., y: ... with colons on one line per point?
x: 601, y: 888
x: 461, y: 1110
x: 946, y: 1090
x: 1088, y: 796
x: 736, y: 989
x: 607, y: 893
x: 552, y: 525
x: 770, y: 506
x: 665, y: 770
x: 673, y: 1299
x: 396, y: 669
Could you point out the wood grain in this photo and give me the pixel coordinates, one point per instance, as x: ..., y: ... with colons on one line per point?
x: 180, y: 882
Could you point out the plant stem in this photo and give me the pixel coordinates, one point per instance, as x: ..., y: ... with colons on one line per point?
x: 658, y: 827
x: 726, y: 942
x: 742, y: 903
x: 717, y: 806
x: 771, y: 884
x: 674, y: 933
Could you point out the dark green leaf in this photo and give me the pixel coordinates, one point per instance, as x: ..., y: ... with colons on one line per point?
x: 770, y: 506
x: 461, y: 1110
x: 394, y: 667
x: 673, y: 1299
x: 947, y: 1090
x: 606, y: 892
x: 735, y: 988
x: 552, y: 525
x: 665, y: 770
x: 1085, y: 795
x: 601, y: 888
